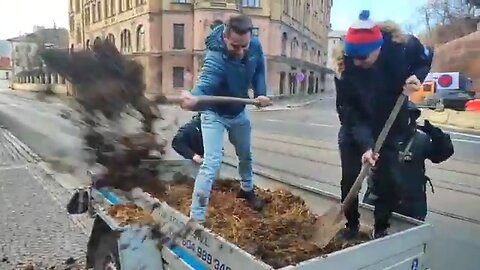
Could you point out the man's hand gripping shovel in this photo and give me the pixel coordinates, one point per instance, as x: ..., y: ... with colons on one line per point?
x: 331, y: 222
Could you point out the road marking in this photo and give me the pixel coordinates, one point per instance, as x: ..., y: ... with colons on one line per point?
x: 466, y: 141
x: 300, y: 123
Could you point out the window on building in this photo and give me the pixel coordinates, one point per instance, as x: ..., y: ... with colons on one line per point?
x: 87, y: 15
x: 112, y: 7
x: 99, y: 11
x: 284, y: 44
x: 71, y: 22
x: 125, y: 41
x: 178, y: 77
x: 140, y: 38
x: 111, y: 38
x: 77, y: 6
x: 94, y: 12
x: 120, y: 6
x: 96, y: 41
x: 181, y: 1
x: 106, y: 8
x: 140, y: 2
x: 293, y: 48
x: 179, y: 36
x: 129, y: 4
x: 251, y: 3
x: 78, y: 35
x: 286, y: 6
x: 304, y: 51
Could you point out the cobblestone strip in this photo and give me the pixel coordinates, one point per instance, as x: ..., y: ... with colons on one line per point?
x: 34, y: 225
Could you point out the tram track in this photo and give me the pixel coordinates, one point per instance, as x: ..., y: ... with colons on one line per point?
x: 333, y: 149
x: 262, y: 171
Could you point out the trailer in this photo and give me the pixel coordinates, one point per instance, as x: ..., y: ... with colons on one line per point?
x: 177, y: 243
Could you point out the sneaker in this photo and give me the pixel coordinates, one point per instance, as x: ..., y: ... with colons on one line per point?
x: 379, y: 233
x: 350, y: 233
x: 252, y: 199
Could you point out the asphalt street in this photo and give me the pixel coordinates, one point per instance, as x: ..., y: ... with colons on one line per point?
x: 299, y: 145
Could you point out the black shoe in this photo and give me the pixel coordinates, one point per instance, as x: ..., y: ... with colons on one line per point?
x: 378, y: 233
x: 350, y: 233
x: 256, y: 203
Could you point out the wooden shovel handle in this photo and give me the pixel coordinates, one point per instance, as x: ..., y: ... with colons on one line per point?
x: 366, y: 167
x: 205, y: 100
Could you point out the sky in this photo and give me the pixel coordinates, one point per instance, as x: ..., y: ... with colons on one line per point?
x: 345, y: 12
x: 19, y: 16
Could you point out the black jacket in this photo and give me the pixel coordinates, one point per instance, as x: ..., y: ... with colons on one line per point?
x: 428, y: 142
x: 188, y: 141
x: 365, y: 97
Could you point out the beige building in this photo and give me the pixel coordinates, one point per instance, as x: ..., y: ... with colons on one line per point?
x: 167, y: 37
x: 335, y: 38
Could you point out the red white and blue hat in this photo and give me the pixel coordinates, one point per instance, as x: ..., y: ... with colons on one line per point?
x: 363, y: 37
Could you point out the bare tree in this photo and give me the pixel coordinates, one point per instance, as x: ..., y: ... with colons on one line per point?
x: 446, y: 20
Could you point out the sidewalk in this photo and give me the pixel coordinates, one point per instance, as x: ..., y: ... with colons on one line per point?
x: 36, y: 230
x: 460, y: 120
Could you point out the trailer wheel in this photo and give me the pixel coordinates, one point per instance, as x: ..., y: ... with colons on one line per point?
x: 106, y: 256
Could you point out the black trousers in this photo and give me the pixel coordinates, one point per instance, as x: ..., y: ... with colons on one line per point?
x: 385, y: 176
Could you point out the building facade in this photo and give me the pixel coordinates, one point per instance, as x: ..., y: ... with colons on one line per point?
x: 167, y: 37
x: 26, y: 61
x: 334, y: 39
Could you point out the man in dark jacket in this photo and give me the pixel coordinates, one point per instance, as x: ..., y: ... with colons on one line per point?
x: 188, y: 141
x: 375, y: 66
x: 419, y: 144
x: 234, y: 62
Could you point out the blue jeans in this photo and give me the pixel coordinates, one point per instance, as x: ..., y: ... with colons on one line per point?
x: 213, y: 127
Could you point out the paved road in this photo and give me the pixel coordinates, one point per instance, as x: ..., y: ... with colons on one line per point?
x: 453, y: 208
x: 298, y: 145
x: 34, y: 227
x: 320, y: 122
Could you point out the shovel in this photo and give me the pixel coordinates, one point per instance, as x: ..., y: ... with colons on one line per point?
x: 207, y: 100
x: 330, y: 223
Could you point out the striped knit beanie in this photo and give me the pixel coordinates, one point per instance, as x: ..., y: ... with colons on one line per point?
x: 363, y: 37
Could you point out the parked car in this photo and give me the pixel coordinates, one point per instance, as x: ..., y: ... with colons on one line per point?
x: 451, y: 99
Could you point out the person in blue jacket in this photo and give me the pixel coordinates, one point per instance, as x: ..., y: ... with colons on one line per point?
x: 234, y: 62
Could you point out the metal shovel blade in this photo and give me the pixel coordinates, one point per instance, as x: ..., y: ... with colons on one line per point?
x: 328, y: 225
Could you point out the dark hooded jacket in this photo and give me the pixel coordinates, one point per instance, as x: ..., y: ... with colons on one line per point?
x: 189, y: 141
x: 416, y: 146
x: 222, y: 75
x: 365, y: 97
